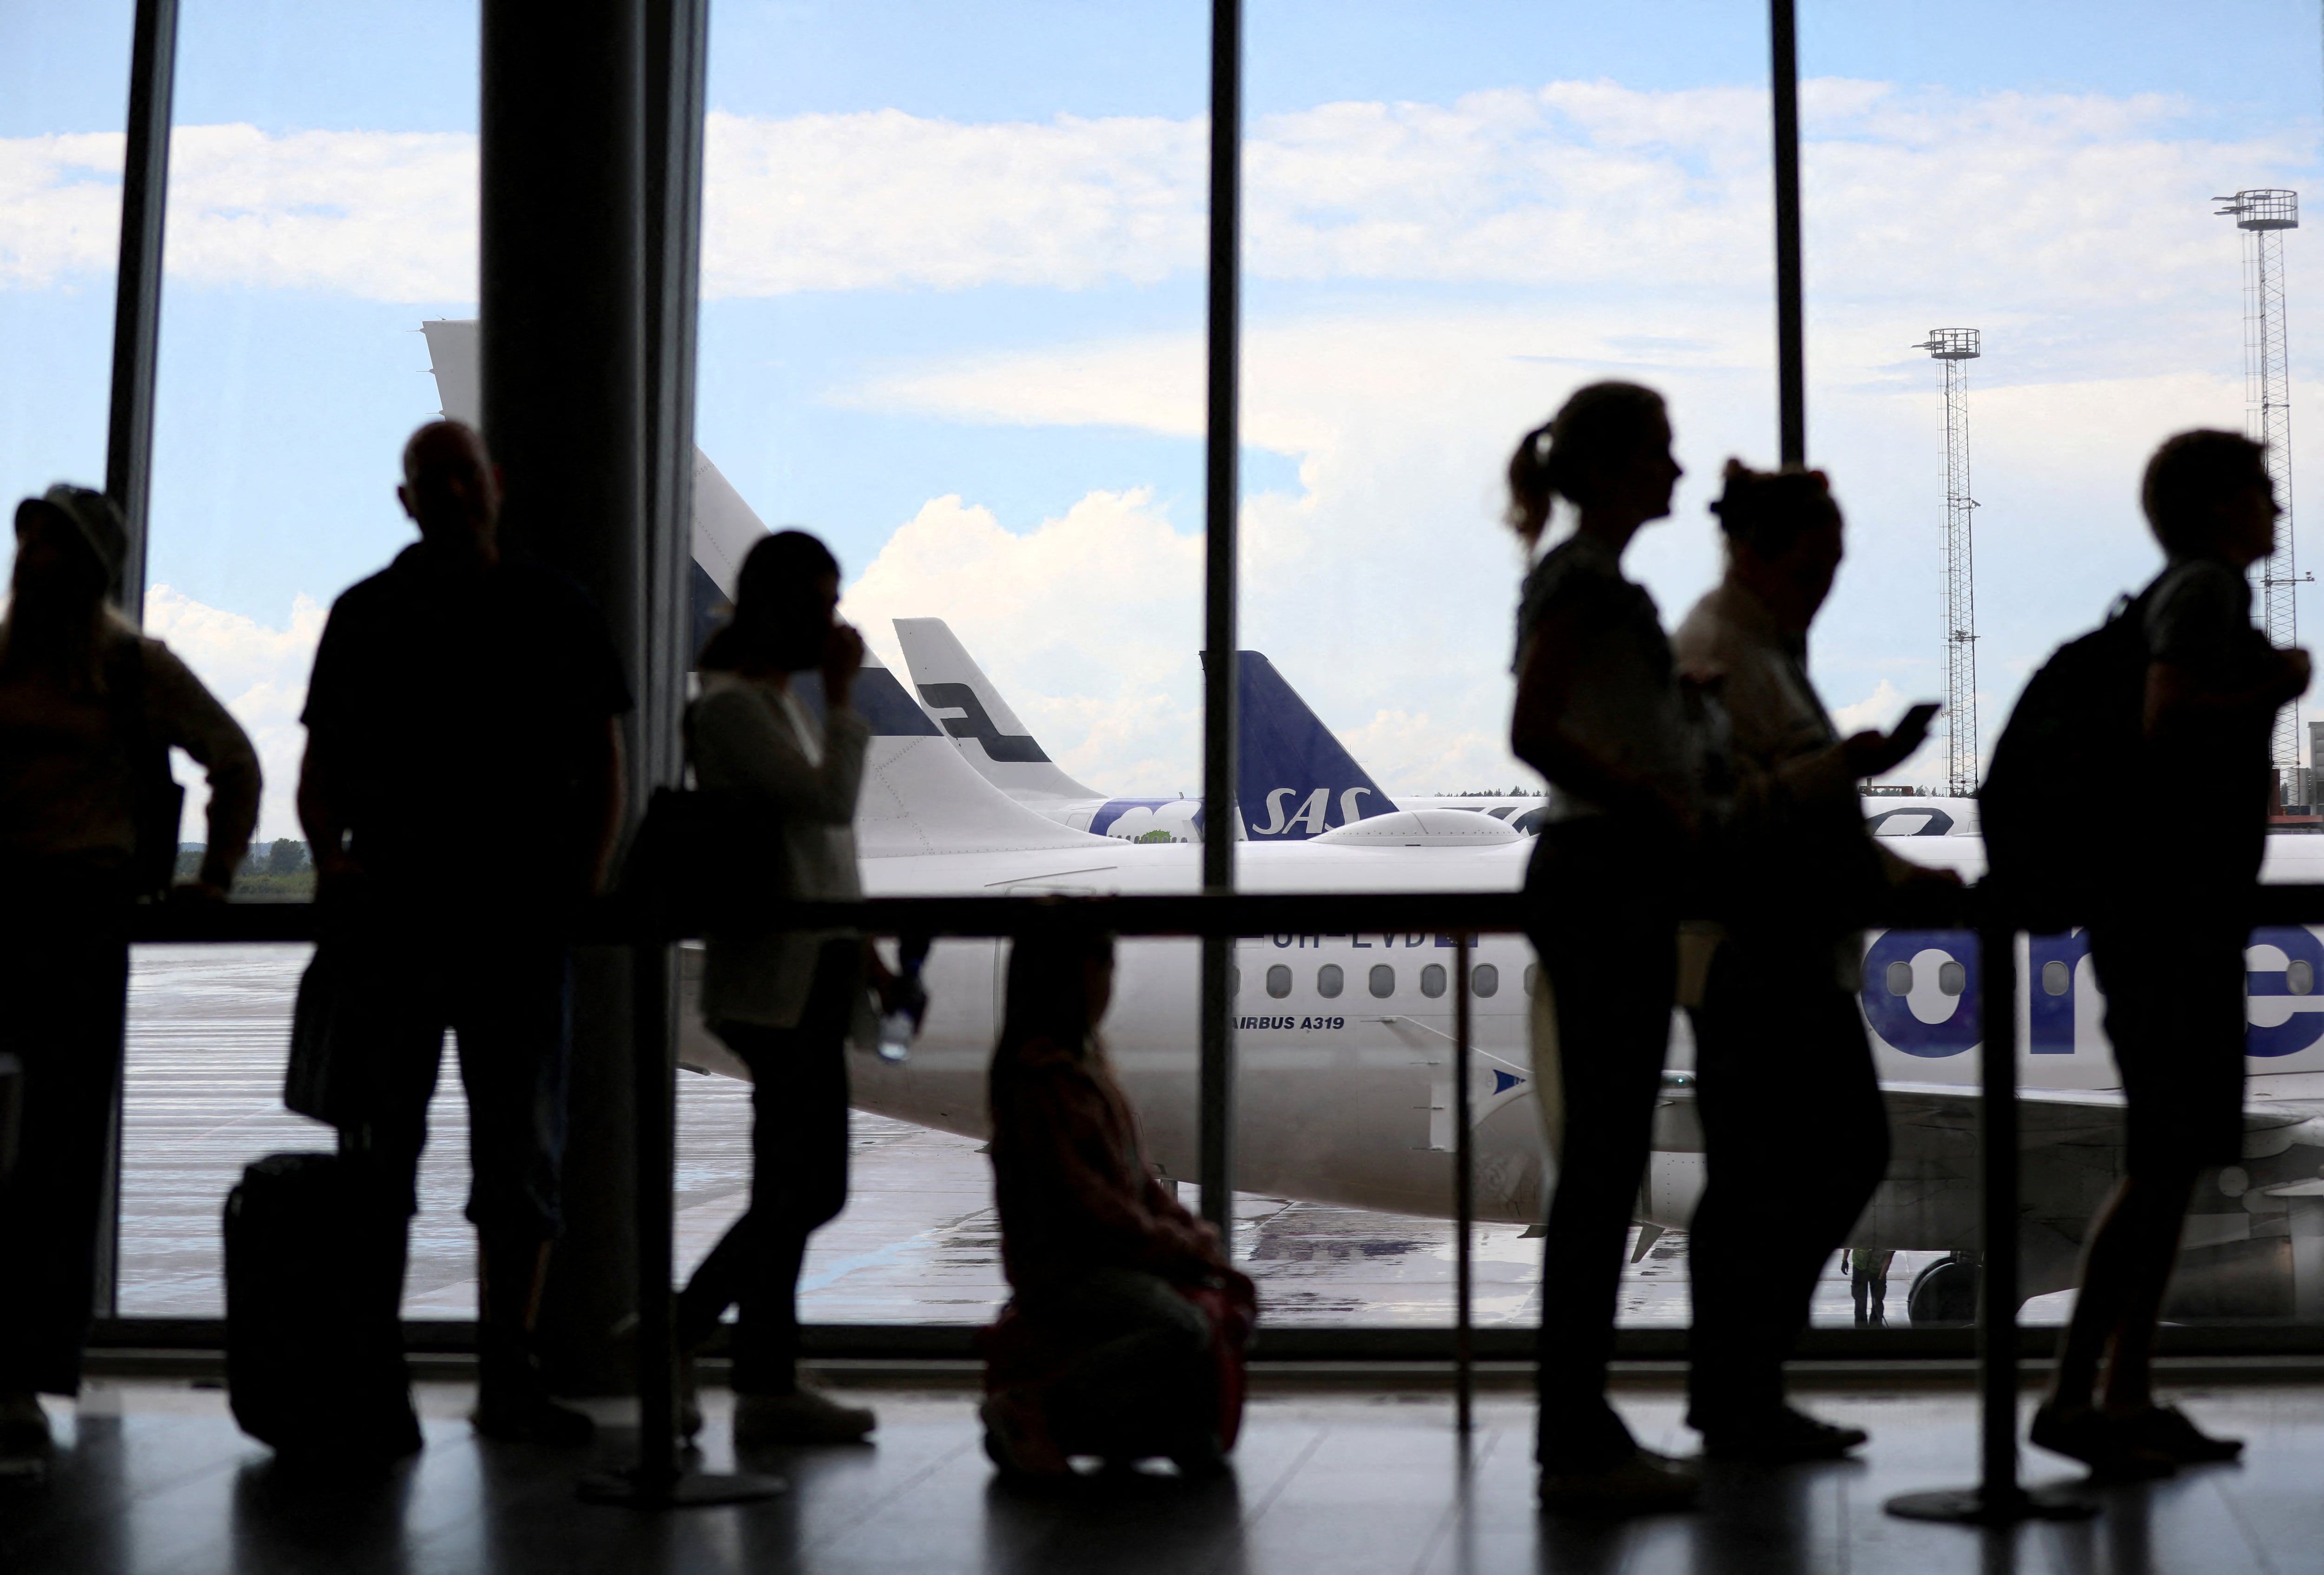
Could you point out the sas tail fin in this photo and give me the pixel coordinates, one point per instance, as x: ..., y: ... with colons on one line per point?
x: 1293, y: 779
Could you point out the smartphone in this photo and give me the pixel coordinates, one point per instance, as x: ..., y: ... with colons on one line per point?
x: 1918, y: 719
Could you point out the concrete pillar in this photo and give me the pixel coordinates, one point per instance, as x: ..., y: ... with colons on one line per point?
x: 563, y: 374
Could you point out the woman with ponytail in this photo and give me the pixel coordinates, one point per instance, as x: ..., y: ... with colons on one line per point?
x: 1599, y: 713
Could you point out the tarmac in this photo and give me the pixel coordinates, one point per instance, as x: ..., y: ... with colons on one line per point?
x: 919, y: 1243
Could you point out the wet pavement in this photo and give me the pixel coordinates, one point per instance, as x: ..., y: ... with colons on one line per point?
x: 918, y: 1242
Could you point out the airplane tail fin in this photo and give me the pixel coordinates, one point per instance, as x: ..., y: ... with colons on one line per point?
x: 1294, y: 779
x: 724, y: 526
x: 971, y: 709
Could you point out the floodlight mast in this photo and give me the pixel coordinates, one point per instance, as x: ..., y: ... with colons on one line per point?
x: 1953, y: 349
x: 2263, y: 214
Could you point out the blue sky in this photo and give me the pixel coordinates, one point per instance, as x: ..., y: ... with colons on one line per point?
x: 1405, y: 318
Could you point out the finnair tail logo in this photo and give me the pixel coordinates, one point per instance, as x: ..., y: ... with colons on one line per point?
x: 1002, y: 749
x: 1310, y: 816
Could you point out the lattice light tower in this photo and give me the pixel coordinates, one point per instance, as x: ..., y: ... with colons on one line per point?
x: 1953, y: 349
x: 2264, y: 213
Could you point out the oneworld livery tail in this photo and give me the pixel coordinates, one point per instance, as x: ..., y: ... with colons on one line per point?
x: 1292, y: 777
x: 955, y: 689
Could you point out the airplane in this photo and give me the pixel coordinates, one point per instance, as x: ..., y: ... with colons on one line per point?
x: 1294, y: 779
x: 1344, y: 1041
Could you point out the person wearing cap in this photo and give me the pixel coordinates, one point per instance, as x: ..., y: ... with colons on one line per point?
x: 88, y: 709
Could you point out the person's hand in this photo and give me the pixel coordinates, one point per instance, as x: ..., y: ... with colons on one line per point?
x: 843, y: 658
x: 2297, y: 670
x: 1869, y: 754
x: 899, y: 993
x: 1922, y: 875
x: 336, y: 871
x: 197, y: 891
x: 1681, y: 814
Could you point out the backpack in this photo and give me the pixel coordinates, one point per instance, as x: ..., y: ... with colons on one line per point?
x: 705, y: 858
x: 2081, y: 718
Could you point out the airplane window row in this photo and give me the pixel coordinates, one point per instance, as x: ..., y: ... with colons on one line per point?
x: 2057, y: 978
x: 1952, y: 978
x: 1331, y: 979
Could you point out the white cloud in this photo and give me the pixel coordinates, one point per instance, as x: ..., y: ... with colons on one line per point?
x: 1571, y: 184
x: 2074, y: 229
x: 60, y: 207
x: 257, y: 672
x: 1086, y: 621
x: 385, y: 215
x: 884, y: 198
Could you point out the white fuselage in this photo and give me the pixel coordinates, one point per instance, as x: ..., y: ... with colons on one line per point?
x: 1345, y: 1098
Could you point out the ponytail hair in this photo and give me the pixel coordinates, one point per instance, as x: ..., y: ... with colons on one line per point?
x: 1561, y: 456
x: 1765, y: 510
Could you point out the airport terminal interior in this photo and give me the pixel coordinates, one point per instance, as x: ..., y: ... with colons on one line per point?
x: 1152, y: 372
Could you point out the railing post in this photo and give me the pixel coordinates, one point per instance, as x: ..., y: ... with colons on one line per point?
x: 1791, y: 352
x: 1997, y: 1498
x: 1222, y: 499
x: 657, y: 1481
x: 1465, y: 1197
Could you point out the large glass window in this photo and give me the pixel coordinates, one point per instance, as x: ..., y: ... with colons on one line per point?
x: 952, y: 322
x: 914, y: 221
x: 322, y: 203
x: 2051, y: 178
x: 64, y: 76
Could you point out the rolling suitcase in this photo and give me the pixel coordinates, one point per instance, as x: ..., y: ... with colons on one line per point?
x: 314, y: 1346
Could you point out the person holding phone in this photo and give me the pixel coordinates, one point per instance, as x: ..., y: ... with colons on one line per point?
x: 1795, y: 1132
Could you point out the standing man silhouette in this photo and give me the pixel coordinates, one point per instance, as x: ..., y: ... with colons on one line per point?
x: 462, y: 788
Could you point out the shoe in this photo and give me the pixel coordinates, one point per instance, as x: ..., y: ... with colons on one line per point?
x: 513, y: 1403
x: 23, y: 1425
x: 689, y: 1399
x: 2112, y: 1451
x: 1786, y: 1436
x: 1641, y: 1483
x: 1018, y: 1440
x: 2165, y: 1431
x: 802, y: 1417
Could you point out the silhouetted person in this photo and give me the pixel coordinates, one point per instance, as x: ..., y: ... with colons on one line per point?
x: 783, y: 1000
x: 2169, y: 949
x: 1867, y: 1283
x: 1109, y: 1344
x: 1599, y: 713
x: 88, y: 709
x: 1795, y: 1132
x: 462, y: 788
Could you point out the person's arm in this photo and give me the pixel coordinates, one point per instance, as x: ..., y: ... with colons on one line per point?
x: 606, y: 786
x: 1058, y: 1124
x: 2210, y: 675
x: 320, y: 818
x: 190, y: 717
x: 2183, y: 709
x: 739, y: 742
x: 1538, y: 737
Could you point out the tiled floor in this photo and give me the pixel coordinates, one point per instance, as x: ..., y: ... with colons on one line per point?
x: 153, y: 1477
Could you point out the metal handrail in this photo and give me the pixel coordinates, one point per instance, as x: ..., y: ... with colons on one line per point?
x: 1995, y: 915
